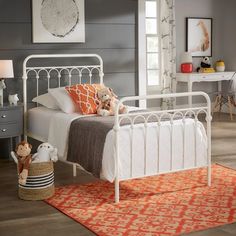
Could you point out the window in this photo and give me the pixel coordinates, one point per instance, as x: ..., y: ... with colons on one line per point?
x: 148, y: 48
x: 152, y: 43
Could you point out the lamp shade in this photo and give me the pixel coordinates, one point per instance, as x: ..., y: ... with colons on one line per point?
x: 6, y: 69
x: 186, y: 57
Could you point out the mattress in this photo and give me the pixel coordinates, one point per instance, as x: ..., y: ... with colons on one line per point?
x: 53, y: 126
x: 39, y: 121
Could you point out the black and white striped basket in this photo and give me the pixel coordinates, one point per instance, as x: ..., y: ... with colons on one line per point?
x: 40, y: 182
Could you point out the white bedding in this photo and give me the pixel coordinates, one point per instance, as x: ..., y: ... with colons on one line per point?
x: 39, y: 121
x: 54, y: 126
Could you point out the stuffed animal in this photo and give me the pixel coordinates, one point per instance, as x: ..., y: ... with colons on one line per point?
x: 24, y: 158
x: 13, y: 99
x: 108, y: 102
x: 205, y: 65
x: 45, y: 152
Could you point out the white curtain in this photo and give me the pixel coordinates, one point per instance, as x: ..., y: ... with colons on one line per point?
x: 168, y: 49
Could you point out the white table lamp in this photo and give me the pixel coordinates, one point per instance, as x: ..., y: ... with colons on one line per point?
x: 186, y: 62
x: 186, y: 57
x: 6, y: 71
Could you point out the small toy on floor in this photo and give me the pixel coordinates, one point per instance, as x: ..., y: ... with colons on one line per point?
x: 45, y: 152
x: 22, y: 156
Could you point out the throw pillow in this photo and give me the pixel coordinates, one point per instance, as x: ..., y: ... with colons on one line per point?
x: 85, y: 97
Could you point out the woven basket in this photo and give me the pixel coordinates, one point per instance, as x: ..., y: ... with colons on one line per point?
x: 40, y: 182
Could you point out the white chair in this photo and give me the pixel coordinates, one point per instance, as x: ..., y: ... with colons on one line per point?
x: 226, y: 98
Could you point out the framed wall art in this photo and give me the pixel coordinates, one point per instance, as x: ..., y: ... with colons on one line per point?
x: 199, y: 36
x: 58, y: 21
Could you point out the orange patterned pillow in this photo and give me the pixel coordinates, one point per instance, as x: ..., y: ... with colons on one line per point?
x: 85, y: 97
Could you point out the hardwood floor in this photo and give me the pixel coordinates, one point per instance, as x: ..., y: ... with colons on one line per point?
x: 33, y: 218
x: 26, y: 218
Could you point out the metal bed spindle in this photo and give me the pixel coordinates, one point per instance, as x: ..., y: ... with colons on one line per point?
x: 183, y: 129
x: 131, y: 150
x: 158, y: 144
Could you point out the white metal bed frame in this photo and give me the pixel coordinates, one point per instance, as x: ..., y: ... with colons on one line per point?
x: 144, y: 115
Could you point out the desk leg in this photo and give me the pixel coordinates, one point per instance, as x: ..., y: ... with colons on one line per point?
x: 190, y: 89
x: 219, y: 86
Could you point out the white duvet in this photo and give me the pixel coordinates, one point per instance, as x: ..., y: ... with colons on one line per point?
x: 58, y: 130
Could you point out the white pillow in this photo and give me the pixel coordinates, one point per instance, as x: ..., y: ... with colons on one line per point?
x: 63, y: 100
x: 46, y: 100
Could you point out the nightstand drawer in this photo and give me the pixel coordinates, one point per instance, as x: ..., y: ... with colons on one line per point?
x: 10, y: 115
x: 10, y: 130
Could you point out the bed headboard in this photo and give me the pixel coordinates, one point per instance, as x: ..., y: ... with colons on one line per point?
x: 42, y: 68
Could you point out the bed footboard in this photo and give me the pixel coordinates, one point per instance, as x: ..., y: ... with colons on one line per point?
x: 158, y: 116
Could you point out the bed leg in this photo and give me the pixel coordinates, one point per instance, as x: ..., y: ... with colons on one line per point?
x: 209, y: 175
x: 74, y: 170
x: 208, y: 119
x: 117, y: 191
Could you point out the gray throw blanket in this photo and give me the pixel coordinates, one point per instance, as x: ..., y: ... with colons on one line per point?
x: 87, y: 137
x: 86, y: 142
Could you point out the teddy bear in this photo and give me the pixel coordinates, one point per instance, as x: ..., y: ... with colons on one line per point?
x: 24, y: 158
x: 45, y: 152
x: 108, y: 102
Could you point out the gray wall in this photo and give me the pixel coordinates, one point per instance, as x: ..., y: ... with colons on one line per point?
x: 228, y: 31
x: 110, y: 32
x: 224, y: 33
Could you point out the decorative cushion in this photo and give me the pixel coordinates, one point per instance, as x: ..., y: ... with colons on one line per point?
x: 46, y: 100
x: 85, y: 96
x: 63, y: 100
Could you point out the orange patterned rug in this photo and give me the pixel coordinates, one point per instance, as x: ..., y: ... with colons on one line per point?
x: 169, y: 204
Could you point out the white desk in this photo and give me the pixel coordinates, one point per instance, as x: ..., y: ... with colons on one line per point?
x: 191, y: 78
